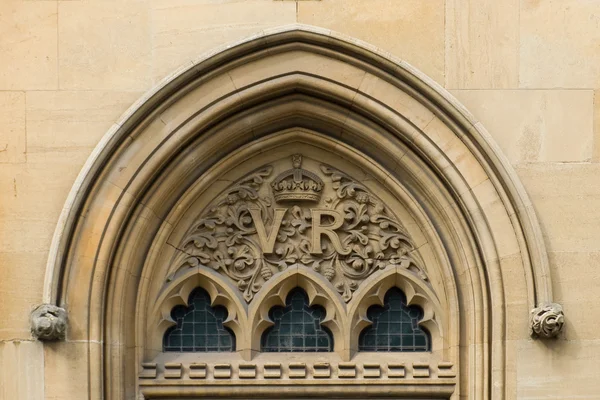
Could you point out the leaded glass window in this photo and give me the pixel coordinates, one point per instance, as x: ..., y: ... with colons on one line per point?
x: 395, y: 326
x: 199, y: 327
x: 297, y: 327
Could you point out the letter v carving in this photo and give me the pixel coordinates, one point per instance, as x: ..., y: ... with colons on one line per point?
x: 267, y: 242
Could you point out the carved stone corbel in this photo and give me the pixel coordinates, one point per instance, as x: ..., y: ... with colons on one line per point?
x: 547, y: 320
x: 48, y: 322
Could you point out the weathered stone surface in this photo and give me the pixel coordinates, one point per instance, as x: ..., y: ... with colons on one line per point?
x: 482, y: 39
x: 547, y: 321
x: 28, y: 45
x: 12, y: 127
x: 104, y: 47
x: 570, y: 270
x: 564, y: 198
x: 182, y: 30
x: 22, y: 370
x: 72, y: 121
x: 49, y: 322
x: 21, y: 285
x: 546, y: 369
x: 67, y: 359
x: 596, y: 147
x: 532, y: 126
x: 559, y: 42
x: 411, y: 30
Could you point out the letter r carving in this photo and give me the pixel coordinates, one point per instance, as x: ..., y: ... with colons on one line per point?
x: 318, y: 230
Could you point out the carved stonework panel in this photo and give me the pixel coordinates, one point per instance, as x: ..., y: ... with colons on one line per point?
x: 321, y: 219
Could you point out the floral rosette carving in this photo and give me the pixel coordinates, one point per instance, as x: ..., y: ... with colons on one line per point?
x: 225, y: 237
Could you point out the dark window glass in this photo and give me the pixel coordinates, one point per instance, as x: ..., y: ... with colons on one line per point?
x: 297, y: 327
x: 395, y: 326
x: 199, y: 327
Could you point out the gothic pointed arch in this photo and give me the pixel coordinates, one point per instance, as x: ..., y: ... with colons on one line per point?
x: 372, y: 131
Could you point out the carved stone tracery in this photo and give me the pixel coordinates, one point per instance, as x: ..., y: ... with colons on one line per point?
x: 325, y: 221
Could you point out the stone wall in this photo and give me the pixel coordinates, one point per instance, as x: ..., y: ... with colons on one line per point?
x: 527, y: 69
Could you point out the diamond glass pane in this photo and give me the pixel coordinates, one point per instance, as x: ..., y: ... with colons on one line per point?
x: 297, y: 327
x: 199, y: 327
x: 395, y: 326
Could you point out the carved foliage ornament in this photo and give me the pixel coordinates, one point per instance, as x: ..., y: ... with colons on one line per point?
x: 325, y: 221
x: 49, y: 322
x: 547, y: 320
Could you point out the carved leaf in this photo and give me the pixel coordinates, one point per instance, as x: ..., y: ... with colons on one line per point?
x: 225, y: 237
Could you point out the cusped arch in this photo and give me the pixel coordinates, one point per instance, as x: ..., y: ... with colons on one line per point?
x: 320, y: 293
x: 177, y: 292
x: 417, y: 292
x: 480, y: 224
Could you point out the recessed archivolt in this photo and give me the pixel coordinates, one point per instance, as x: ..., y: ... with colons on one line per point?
x: 482, y: 227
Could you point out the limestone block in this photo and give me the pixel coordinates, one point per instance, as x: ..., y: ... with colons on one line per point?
x: 184, y: 29
x: 104, y: 46
x: 12, y: 127
x: 412, y: 30
x: 282, y: 63
x: 36, y: 192
x: 558, y: 369
x: 21, y: 281
x: 511, y: 369
x: 60, y: 121
x: 21, y: 370
x: 482, y: 39
x: 596, y: 151
x: 68, y: 359
x: 31, y: 202
x: 564, y: 197
x: 517, y: 307
x: 28, y: 45
x: 559, y: 44
x: 402, y: 103
x: 18, y: 235
x: 576, y: 278
x: 532, y: 125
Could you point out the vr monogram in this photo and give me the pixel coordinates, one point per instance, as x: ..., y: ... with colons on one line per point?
x: 254, y: 230
x: 267, y: 242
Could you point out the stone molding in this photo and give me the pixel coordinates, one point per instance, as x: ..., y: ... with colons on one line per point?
x: 294, y: 370
x: 296, y: 86
x: 49, y: 322
x: 486, y: 147
x: 200, y: 378
x: 547, y: 321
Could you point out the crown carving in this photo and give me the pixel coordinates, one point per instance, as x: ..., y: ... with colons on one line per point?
x: 297, y: 184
